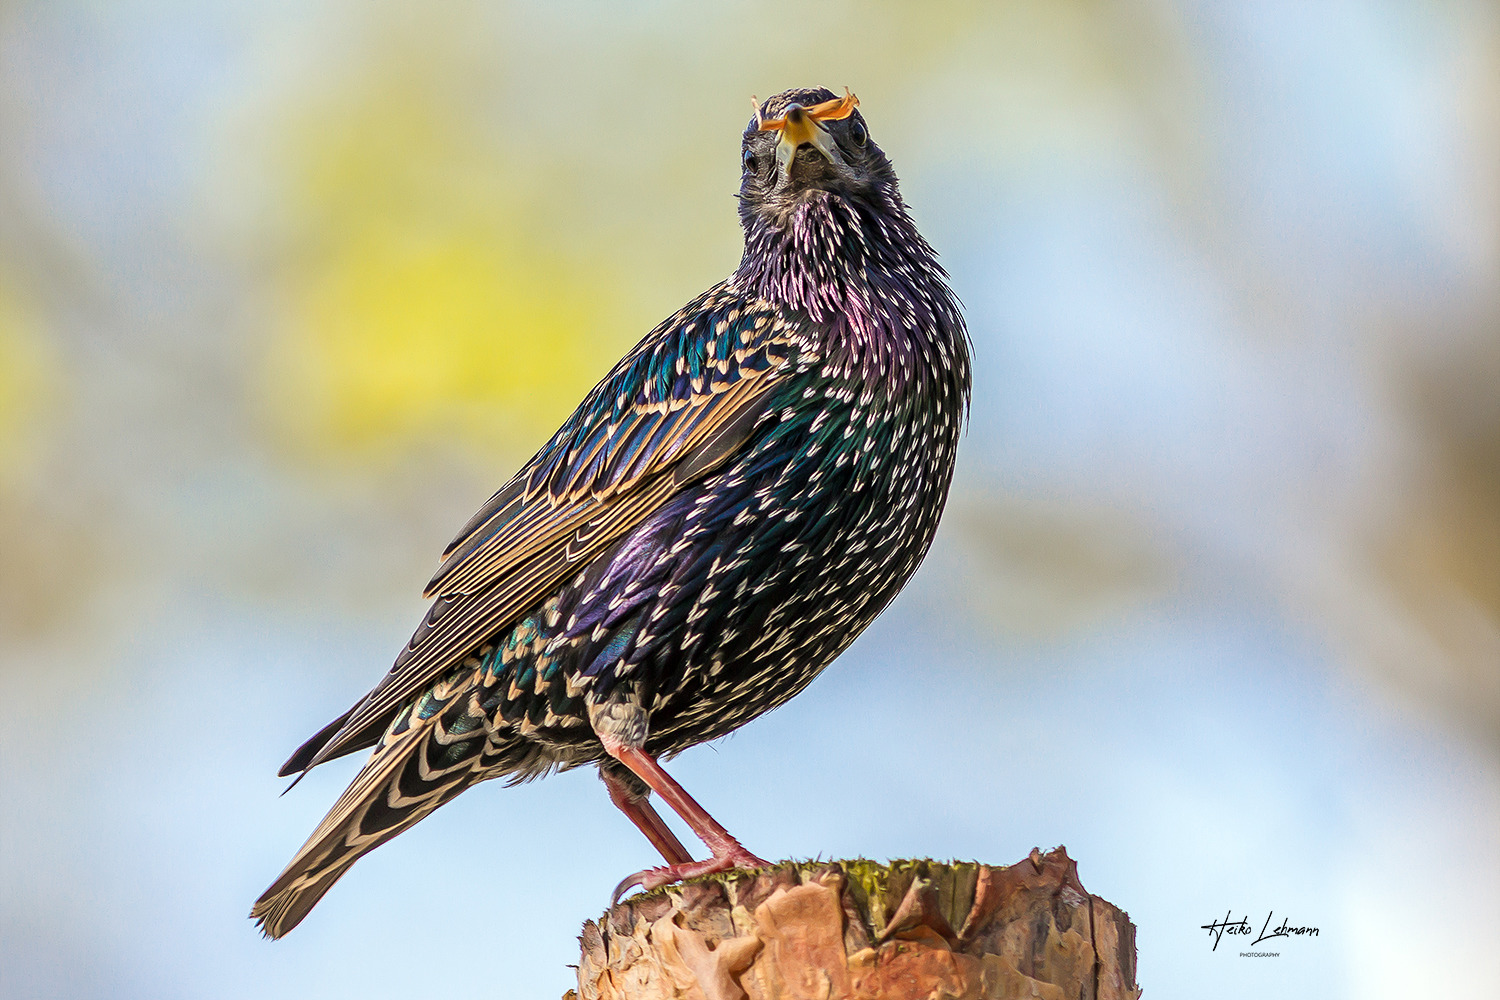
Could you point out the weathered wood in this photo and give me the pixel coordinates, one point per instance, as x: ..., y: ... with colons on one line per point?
x: 858, y: 930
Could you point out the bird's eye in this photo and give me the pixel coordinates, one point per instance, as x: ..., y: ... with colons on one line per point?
x: 858, y: 134
x: 751, y: 161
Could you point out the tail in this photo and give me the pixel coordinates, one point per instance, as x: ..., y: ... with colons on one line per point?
x: 420, y: 764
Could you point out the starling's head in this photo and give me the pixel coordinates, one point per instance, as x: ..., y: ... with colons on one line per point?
x: 807, y: 140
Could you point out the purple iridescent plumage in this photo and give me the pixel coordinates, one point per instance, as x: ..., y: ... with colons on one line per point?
x: 722, y: 515
x: 860, y: 271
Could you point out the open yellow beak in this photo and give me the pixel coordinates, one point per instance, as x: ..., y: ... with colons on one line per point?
x: 799, y: 125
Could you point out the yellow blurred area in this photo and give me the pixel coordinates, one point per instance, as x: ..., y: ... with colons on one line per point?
x: 398, y: 337
x: 41, y: 567
x: 26, y: 377
x: 474, y: 235
x: 428, y: 296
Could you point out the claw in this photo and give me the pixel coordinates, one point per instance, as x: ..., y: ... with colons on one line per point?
x: 630, y: 881
x: 654, y: 878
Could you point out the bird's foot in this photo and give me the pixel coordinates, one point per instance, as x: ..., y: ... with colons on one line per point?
x: 730, y: 858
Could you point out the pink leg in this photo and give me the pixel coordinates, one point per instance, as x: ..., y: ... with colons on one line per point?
x: 646, y: 820
x: 727, y: 852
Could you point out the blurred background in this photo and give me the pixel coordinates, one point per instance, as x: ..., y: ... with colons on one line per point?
x: 288, y: 289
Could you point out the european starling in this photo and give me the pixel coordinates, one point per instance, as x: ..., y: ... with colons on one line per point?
x: 721, y: 516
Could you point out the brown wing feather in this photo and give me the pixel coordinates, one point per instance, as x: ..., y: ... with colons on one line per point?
x: 540, y: 520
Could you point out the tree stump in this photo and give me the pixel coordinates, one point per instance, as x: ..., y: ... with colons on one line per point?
x: 858, y: 930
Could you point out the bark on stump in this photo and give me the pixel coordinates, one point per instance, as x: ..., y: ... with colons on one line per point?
x: 857, y: 930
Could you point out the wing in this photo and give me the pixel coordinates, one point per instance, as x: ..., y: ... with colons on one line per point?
x: 674, y: 409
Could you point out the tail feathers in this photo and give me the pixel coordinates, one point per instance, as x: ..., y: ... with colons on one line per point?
x: 414, y: 772
x: 285, y: 904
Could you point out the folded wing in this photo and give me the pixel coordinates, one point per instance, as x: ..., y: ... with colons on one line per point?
x: 688, y: 397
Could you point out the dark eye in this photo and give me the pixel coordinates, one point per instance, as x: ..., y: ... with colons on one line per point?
x: 751, y: 161
x: 858, y: 134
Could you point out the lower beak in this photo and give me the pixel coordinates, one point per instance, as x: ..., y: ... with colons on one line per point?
x: 800, y: 128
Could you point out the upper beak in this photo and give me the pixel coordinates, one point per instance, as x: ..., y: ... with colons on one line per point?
x: 798, y: 128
